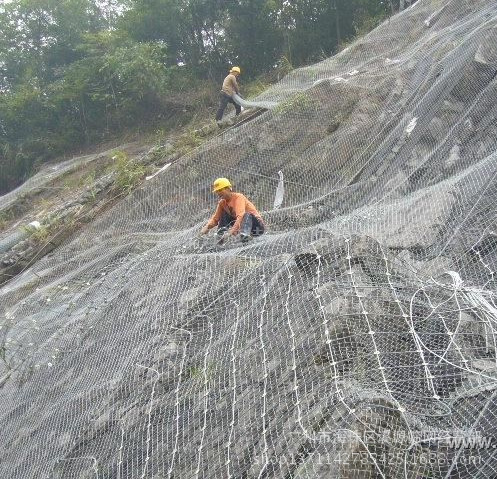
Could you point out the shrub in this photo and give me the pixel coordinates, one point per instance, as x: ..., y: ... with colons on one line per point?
x: 297, y: 103
x: 128, y: 172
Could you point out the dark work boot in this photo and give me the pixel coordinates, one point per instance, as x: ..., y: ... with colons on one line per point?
x: 245, y: 238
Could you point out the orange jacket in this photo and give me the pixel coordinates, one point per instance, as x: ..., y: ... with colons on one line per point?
x: 236, y: 207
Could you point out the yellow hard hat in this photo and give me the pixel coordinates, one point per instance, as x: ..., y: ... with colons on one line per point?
x: 220, y: 184
x: 235, y: 69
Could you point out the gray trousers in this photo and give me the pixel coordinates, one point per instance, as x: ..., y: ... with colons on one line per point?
x: 251, y: 225
x: 224, y: 99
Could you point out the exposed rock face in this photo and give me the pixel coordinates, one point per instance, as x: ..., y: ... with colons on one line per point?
x: 357, y: 338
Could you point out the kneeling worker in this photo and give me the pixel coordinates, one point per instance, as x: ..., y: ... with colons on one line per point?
x: 234, y: 214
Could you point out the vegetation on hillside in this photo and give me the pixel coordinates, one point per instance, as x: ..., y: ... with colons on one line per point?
x: 76, y: 72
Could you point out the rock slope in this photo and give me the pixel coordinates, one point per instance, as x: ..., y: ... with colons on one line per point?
x: 356, y: 339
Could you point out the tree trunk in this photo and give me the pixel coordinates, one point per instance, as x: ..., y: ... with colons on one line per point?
x: 337, y: 23
x: 401, y: 5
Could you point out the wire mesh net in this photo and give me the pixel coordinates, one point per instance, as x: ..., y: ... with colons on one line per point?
x: 355, y: 339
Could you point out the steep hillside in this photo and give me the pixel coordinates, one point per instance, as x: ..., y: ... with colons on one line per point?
x: 357, y: 338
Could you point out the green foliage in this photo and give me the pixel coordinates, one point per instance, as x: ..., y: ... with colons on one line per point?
x: 253, y: 34
x: 195, y: 372
x: 365, y: 25
x: 115, y: 83
x: 72, y: 73
x: 45, y: 34
x: 128, y: 172
x: 255, y: 88
x: 41, y: 234
x: 190, y: 29
x: 188, y: 141
x: 45, y: 231
x: 368, y: 19
x: 3, y: 356
x: 199, y: 373
x: 299, y: 102
x: 284, y: 66
x: 89, y: 183
x: 5, y: 218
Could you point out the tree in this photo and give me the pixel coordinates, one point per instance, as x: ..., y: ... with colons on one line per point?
x: 72, y: 71
x: 252, y: 35
x: 38, y: 37
x: 114, y: 83
x: 190, y: 29
x: 155, y: 21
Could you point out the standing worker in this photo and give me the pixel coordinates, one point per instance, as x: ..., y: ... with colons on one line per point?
x: 230, y: 86
x: 234, y: 214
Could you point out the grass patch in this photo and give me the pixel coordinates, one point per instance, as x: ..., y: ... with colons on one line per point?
x: 44, y: 232
x: 255, y: 88
x: 365, y: 24
x: 128, y: 172
x: 362, y: 27
x: 41, y: 234
x: 89, y: 183
x: 72, y: 181
x: 5, y: 218
x: 283, y: 67
x: 3, y: 356
x: 188, y: 141
x: 198, y: 373
x: 299, y: 102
